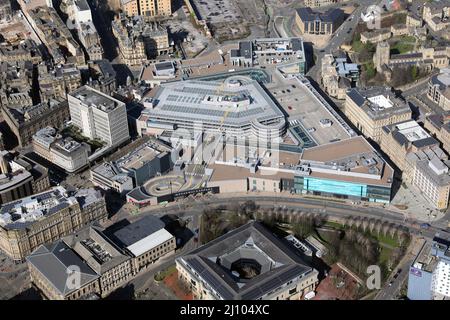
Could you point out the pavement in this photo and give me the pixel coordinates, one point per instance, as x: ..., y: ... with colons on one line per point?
x: 418, y: 207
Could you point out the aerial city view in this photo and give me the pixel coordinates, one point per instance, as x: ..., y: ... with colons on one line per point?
x: 224, y: 150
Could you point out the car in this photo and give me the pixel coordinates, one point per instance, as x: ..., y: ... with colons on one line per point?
x: 390, y: 283
x: 289, y: 107
x: 425, y: 225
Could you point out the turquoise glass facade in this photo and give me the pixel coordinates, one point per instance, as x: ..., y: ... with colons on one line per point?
x: 342, y: 189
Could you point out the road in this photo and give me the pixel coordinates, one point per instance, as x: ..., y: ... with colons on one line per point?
x: 193, y: 207
x: 342, y: 34
x: 325, y: 207
x: 389, y: 292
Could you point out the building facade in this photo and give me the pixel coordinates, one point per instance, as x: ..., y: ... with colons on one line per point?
x: 152, y: 8
x: 428, y: 274
x: 419, y: 157
x: 99, y: 116
x: 25, y: 122
x: 439, y: 89
x: 439, y: 126
x: 139, y: 39
x: 310, y: 22
x: 20, y: 177
x: 27, y: 223
x: 238, y: 261
x: 66, y: 153
x: 145, y: 240
x: 371, y: 109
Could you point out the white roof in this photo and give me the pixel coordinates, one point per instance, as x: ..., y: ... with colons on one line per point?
x: 149, y: 242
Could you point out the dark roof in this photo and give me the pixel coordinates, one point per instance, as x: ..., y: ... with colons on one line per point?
x: 356, y: 97
x: 138, y: 230
x: 139, y: 194
x: 245, y: 49
x: 164, y: 66
x: 53, y: 262
x: 414, y: 55
x: 400, y: 138
x: 425, y: 142
x: 297, y: 44
x: 287, y: 265
x: 332, y: 15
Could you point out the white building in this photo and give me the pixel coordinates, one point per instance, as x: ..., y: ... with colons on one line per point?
x: 65, y: 153
x: 99, y: 116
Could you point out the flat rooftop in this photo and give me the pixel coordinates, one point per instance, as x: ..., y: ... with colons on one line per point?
x: 235, y: 102
x: 96, y: 99
x: 410, y: 132
x: 378, y: 102
x: 138, y: 157
x: 223, y: 172
x: 139, y: 230
x: 305, y: 110
x: 142, y: 235
x: 352, y: 160
x: 95, y: 249
x: 20, y: 213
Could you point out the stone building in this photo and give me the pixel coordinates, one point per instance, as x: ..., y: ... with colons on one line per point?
x: 439, y: 89
x: 437, y: 15
x: 425, y: 58
x: 26, y: 50
x: 102, y: 76
x: 20, y: 177
x: 145, y: 240
x: 419, y: 157
x: 106, y: 263
x: 247, y: 263
x: 56, y: 82
x: 338, y: 75
x: 373, y: 108
x: 66, y: 153
x: 147, y: 8
x: 25, y: 122
x: 27, y: 223
x: 140, y: 40
x: 16, y: 84
x: 310, y: 22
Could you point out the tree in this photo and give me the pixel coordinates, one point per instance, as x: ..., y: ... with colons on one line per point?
x: 414, y: 72
x: 303, y: 228
x: 372, y: 222
x: 385, y: 228
x: 365, y: 224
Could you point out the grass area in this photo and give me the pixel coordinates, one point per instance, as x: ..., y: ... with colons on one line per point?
x: 333, y: 224
x: 387, y: 240
x: 164, y: 273
x: 357, y: 45
x: 385, y: 253
x: 403, y: 45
